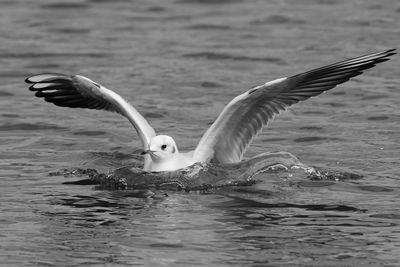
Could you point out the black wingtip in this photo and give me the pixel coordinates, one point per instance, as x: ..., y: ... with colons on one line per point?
x: 382, y: 57
x: 27, y: 80
x: 48, y: 77
x: 31, y: 88
x: 389, y: 52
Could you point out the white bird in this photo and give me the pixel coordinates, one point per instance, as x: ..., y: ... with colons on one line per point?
x: 232, y: 132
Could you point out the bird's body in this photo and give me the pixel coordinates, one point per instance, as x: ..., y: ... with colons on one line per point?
x: 232, y: 132
x: 175, y: 162
x: 163, y: 155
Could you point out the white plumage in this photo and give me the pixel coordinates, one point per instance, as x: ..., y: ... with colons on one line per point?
x: 232, y: 132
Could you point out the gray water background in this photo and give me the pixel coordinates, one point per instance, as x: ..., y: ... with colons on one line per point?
x: 179, y: 62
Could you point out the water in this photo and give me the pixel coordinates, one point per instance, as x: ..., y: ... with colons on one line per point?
x: 179, y: 62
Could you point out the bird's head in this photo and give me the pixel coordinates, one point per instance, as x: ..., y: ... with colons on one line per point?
x: 161, y: 147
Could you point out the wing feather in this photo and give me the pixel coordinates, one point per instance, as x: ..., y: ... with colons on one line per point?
x: 245, y: 116
x: 80, y: 92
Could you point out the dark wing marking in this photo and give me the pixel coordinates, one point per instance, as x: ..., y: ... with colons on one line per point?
x: 80, y: 92
x: 245, y: 116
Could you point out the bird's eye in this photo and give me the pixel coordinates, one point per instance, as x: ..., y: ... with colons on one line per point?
x: 163, y: 147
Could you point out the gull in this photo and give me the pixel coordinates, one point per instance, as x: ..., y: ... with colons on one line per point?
x: 234, y: 129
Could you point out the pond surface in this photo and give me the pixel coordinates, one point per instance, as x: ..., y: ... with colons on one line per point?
x: 179, y: 62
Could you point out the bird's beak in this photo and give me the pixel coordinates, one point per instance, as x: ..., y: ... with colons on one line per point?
x: 146, y: 152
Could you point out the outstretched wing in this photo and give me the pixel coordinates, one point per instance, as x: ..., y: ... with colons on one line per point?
x: 80, y: 92
x: 244, y: 117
